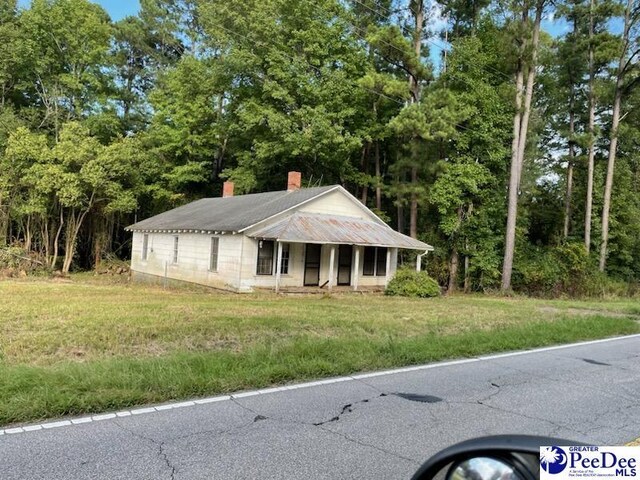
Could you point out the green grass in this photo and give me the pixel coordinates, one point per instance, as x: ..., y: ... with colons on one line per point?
x: 88, y: 345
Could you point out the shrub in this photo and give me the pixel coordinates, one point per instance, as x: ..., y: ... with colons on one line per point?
x: 409, y: 283
x: 565, y: 270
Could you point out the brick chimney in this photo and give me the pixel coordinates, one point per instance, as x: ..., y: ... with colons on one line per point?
x: 294, y: 181
x: 227, y: 189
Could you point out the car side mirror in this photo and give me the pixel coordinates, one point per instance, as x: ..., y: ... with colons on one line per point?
x: 502, y: 457
x: 483, y: 468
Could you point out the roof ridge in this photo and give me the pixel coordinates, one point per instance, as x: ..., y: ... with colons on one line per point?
x: 229, y: 214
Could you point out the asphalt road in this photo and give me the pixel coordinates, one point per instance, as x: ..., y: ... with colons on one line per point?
x: 376, y: 427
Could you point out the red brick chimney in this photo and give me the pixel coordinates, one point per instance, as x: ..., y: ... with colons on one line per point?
x: 294, y: 181
x: 227, y: 189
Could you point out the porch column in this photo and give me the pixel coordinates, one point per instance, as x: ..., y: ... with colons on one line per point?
x: 278, y: 264
x: 332, y: 259
x: 388, y: 269
x: 418, y: 263
x: 356, y: 267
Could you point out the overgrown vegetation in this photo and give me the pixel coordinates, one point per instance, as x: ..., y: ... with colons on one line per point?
x: 566, y: 270
x: 505, y: 144
x: 407, y: 282
x: 96, y: 343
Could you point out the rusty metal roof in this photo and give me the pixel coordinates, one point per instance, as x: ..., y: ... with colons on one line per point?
x: 300, y: 227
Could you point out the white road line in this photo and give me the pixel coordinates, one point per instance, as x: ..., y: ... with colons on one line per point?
x: 267, y: 391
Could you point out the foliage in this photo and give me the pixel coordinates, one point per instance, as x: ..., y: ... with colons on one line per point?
x: 408, y: 282
x: 565, y: 270
x: 103, y: 123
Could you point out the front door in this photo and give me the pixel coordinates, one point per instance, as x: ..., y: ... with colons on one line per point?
x: 345, y: 255
x: 312, y: 265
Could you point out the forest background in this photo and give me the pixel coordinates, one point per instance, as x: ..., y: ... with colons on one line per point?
x: 506, y: 133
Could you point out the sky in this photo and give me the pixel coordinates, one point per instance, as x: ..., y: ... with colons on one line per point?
x: 116, y: 9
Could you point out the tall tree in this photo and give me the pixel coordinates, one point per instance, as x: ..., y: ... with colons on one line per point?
x: 627, y: 63
x: 526, y: 65
x: 72, y: 38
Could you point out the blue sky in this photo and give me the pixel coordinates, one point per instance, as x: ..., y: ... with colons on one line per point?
x: 116, y: 9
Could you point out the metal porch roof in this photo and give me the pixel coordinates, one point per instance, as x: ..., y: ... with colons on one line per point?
x: 302, y: 227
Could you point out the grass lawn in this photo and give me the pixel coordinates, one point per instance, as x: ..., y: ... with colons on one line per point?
x: 92, y: 345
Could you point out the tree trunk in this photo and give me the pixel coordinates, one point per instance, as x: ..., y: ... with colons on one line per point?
x: 364, y: 165
x: 608, y: 187
x: 467, y: 274
x: 507, y: 264
x: 453, y: 270
x: 531, y: 77
x: 400, y: 204
x: 400, y: 214
x: 613, y: 145
x: 454, y: 261
x: 414, y: 86
x: 413, y: 213
x: 378, y: 177
x: 4, y: 223
x: 27, y: 234
x: 591, y: 131
x: 46, y: 241
x: 71, y: 236
x: 570, y: 162
x: 520, y: 130
x: 56, y: 240
x: 69, y: 242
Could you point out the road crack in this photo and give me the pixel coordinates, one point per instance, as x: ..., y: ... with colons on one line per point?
x: 348, y: 408
x: 162, y: 454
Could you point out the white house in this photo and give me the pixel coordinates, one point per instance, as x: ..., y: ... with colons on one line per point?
x: 299, y: 237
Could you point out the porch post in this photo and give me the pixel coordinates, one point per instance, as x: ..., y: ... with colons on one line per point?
x: 332, y: 259
x: 278, y: 264
x: 418, y: 263
x: 356, y: 267
x: 388, y: 269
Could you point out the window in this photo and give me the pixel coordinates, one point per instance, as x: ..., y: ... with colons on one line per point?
x: 374, y: 261
x: 381, y: 261
x: 265, y: 257
x: 145, y: 246
x: 213, y: 255
x: 284, y: 264
x: 175, y: 249
x: 369, y: 261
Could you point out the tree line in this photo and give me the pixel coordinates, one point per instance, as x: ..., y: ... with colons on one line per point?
x: 508, y: 141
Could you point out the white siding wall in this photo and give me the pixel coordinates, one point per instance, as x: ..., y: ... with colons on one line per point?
x: 237, y: 257
x: 250, y: 261
x: 335, y: 203
x: 193, y: 258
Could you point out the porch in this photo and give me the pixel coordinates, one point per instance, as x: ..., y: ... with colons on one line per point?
x: 321, y: 252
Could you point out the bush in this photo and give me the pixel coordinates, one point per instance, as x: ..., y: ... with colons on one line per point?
x: 565, y: 270
x: 409, y: 283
